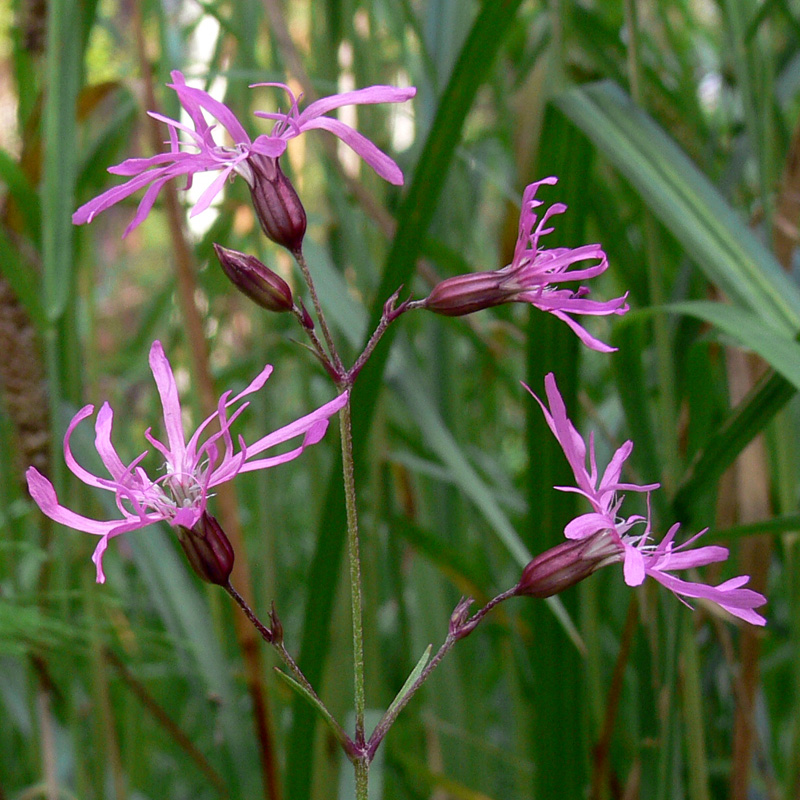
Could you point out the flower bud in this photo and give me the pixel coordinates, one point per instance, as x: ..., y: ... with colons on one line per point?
x: 305, y: 318
x: 277, y: 206
x: 465, y: 294
x: 208, y: 549
x: 460, y: 616
x: 568, y: 563
x: 257, y: 281
x: 275, y: 625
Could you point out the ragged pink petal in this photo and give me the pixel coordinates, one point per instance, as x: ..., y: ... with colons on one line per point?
x: 367, y: 96
x: 375, y: 157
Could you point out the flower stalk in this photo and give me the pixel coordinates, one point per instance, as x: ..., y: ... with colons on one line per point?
x: 323, y: 324
x: 274, y: 636
x: 461, y: 626
x: 391, y: 311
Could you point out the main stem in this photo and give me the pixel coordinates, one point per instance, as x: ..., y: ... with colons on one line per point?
x: 346, y: 427
x: 361, y: 763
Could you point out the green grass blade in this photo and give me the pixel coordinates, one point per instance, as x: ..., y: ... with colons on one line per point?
x: 746, y: 421
x: 415, y: 673
x: 19, y: 187
x: 441, y: 441
x: 748, y: 331
x: 713, y: 234
x: 314, y: 703
x: 21, y: 279
x: 783, y: 524
x: 60, y: 156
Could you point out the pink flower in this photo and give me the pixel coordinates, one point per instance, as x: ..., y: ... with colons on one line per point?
x: 601, y: 495
x: 532, y: 277
x: 191, y: 468
x: 608, y: 536
x: 535, y: 272
x: 205, y: 154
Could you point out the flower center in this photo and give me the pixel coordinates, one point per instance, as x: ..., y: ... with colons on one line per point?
x: 176, y: 490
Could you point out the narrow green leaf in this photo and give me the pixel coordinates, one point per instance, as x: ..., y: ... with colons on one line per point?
x: 747, y: 420
x: 784, y: 524
x: 22, y: 280
x: 441, y: 441
x: 413, y: 675
x: 693, y: 713
x: 60, y: 155
x: 713, y: 234
x: 750, y: 332
x: 19, y: 187
x: 452, y: 562
x: 315, y: 704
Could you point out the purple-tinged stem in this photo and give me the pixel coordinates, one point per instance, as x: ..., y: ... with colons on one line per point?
x: 276, y: 641
x: 326, y: 332
x: 316, y: 346
x: 460, y: 632
x: 266, y: 633
x: 390, y: 314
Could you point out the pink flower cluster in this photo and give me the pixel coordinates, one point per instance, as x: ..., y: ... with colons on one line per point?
x: 609, y: 537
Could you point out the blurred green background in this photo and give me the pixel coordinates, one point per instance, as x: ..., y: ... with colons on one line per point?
x: 673, y: 128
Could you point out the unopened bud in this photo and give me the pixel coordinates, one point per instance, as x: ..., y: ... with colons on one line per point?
x: 459, y: 616
x: 568, y: 563
x: 305, y: 318
x: 461, y: 624
x: 276, y: 626
x: 256, y: 280
x: 277, y: 206
x: 465, y: 294
x: 208, y: 549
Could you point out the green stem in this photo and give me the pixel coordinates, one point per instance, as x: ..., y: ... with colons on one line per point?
x: 361, y: 762
x: 346, y: 428
x: 362, y: 779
